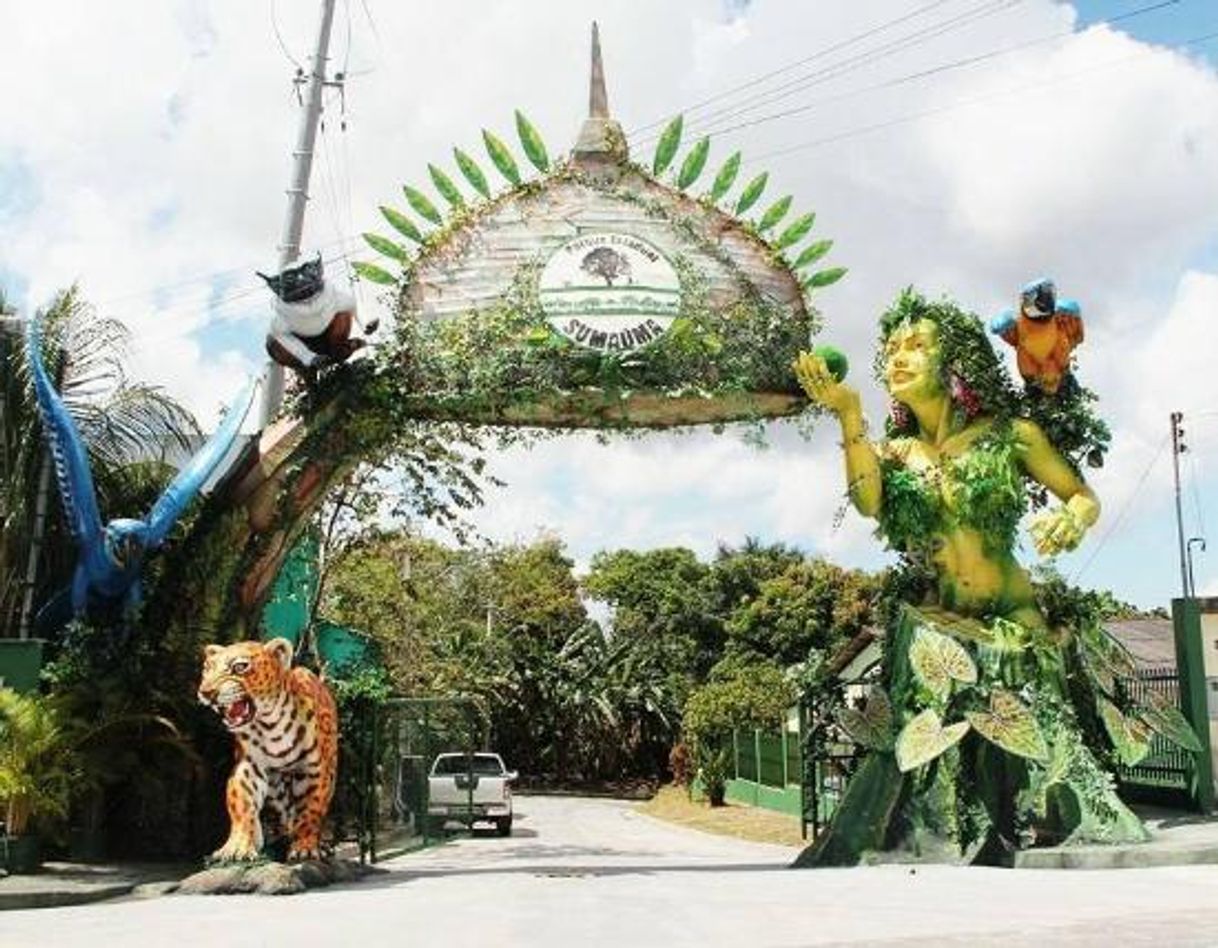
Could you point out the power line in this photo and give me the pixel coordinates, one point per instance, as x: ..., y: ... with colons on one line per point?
x: 842, y: 44
x: 202, y: 278
x: 858, y: 61
x: 936, y: 70
x: 1120, y: 517
x: 279, y: 39
x: 964, y: 103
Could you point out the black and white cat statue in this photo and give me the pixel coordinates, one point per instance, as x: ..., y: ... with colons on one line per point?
x: 313, y: 319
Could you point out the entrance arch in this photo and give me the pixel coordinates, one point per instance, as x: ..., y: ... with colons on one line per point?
x: 595, y: 295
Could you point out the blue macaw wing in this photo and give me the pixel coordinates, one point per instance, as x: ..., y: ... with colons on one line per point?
x: 1002, y: 322
x: 191, y: 478
x: 67, y: 450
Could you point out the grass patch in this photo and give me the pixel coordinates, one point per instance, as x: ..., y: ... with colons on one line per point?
x: 673, y: 805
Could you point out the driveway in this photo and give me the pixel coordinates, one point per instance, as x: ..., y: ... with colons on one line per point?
x: 582, y: 873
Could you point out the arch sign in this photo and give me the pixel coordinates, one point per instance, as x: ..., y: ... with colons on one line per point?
x: 610, y: 291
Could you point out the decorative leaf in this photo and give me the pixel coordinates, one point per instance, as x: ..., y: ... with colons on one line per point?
x: 924, y: 738
x: 938, y: 660
x: 372, y: 273
x: 1168, y: 722
x: 444, y: 184
x: 812, y: 253
x: 1009, y: 724
x: 693, y: 164
x: 795, y: 232
x: 530, y: 141
x: 872, y: 725
x: 776, y: 212
x: 751, y: 193
x: 473, y: 174
x: 402, y: 224
x: 824, y: 278
x: 666, y: 147
x: 501, y: 158
x: 1130, y: 737
x: 1106, y: 659
x: 422, y: 204
x: 385, y: 246
x: 726, y: 177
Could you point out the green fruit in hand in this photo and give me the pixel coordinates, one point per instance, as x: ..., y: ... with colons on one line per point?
x: 835, y: 361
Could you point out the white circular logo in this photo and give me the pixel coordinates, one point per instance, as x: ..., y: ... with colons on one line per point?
x: 610, y: 291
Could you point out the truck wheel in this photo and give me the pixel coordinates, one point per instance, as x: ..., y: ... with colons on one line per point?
x: 504, y: 825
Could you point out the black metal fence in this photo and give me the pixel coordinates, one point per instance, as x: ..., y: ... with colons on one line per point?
x: 1165, y: 775
x: 386, y: 753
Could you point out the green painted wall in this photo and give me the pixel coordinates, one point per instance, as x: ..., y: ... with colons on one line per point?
x: 20, y: 664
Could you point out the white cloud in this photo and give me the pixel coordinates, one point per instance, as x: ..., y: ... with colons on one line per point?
x: 1103, y: 179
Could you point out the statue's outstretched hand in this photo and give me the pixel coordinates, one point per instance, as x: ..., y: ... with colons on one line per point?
x: 814, y: 375
x: 1057, y: 531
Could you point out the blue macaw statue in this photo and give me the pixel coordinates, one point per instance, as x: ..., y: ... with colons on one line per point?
x: 110, y: 557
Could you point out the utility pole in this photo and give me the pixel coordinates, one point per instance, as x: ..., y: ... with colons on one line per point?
x: 1178, y: 447
x: 298, y: 190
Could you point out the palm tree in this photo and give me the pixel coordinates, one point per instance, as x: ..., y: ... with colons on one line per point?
x: 122, y: 422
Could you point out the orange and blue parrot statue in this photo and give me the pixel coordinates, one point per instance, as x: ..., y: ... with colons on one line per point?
x: 1044, y: 332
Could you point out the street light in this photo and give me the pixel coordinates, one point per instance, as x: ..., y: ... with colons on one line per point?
x: 1192, y: 586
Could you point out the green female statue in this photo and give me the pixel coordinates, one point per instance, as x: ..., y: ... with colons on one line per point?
x: 991, y: 730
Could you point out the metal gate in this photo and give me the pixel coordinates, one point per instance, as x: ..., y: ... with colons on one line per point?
x: 1165, y: 775
x: 386, y: 753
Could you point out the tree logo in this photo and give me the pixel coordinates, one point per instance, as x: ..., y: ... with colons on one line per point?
x: 610, y: 291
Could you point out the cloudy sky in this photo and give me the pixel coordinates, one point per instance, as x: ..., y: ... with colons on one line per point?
x: 964, y: 146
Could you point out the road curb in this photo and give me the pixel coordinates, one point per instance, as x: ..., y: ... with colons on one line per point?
x: 1116, y: 857
x: 59, y: 898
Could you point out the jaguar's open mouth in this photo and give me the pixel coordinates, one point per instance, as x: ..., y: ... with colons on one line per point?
x: 239, y: 713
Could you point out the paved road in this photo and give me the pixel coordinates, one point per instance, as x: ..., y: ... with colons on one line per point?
x: 586, y: 873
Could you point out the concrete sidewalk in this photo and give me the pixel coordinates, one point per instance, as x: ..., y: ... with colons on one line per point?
x: 1178, y: 838
x: 69, y: 883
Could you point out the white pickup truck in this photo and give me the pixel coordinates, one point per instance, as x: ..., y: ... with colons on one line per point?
x: 470, y: 788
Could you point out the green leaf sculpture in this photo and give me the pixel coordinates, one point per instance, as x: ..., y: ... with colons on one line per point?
x: 386, y: 247
x: 422, y: 204
x: 871, y: 725
x: 726, y: 177
x: 666, y: 147
x: 693, y: 164
x: 752, y: 192
x: 372, y: 273
x: 402, y: 224
x: 444, y: 184
x: 530, y: 141
x: 824, y: 278
x: 938, y: 660
x: 795, y: 232
x: 473, y: 174
x: 924, y: 738
x: 776, y: 212
x: 1167, y: 721
x: 1009, y: 724
x: 1130, y: 737
x: 501, y: 158
x: 812, y: 253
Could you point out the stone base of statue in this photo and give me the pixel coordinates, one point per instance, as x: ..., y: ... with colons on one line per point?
x: 273, y: 878
x: 977, y: 751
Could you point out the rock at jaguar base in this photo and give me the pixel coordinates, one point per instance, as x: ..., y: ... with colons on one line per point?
x: 273, y: 878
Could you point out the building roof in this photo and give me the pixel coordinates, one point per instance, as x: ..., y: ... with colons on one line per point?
x: 1150, y: 641
x: 855, y: 657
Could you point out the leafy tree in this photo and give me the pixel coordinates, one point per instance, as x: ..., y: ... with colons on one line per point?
x: 738, y: 572
x: 812, y: 604
x: 664, y: 600
x: 750, y: 696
